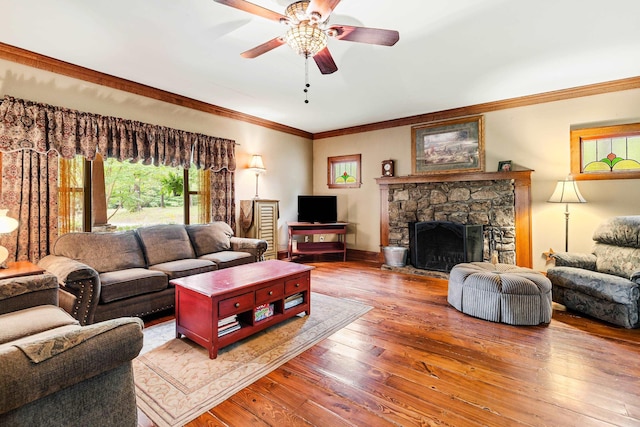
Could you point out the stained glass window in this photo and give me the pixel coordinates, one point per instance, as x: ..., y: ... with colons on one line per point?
x: 344, y: 171
x: 608, y: 152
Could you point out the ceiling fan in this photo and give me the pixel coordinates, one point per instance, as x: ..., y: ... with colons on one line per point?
x: 309, y: 30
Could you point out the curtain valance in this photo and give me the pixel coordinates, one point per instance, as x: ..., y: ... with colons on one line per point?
x: 42, y: 128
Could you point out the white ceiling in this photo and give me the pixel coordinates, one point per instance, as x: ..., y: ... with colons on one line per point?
x: 451, y: 53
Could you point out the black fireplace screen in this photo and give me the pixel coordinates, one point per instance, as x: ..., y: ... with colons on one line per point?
x: 439, y: 245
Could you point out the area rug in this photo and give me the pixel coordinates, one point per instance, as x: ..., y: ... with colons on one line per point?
x: 176, y: 381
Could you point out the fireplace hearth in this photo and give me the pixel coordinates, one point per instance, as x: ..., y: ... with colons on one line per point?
x: 439, y: 245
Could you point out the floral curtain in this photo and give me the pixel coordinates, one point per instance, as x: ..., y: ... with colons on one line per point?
x: 218, y: 156
x: 214, y: 153
x: 42, y: 127
x: 223, y: 207
x: 29, y: 192
x: 31, y: 128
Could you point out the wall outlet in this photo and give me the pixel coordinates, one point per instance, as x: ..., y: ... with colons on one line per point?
x: 322, y: 238
x: 306, y: 239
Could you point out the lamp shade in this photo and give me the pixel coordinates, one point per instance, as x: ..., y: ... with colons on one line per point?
x: 256, y: 163
x: 567, y: 192
x: 306, y: 40
x: 7, y: 224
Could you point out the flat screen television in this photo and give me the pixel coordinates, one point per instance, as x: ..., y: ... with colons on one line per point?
x: 317, y: 209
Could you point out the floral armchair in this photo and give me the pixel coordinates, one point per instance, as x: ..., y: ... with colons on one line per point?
x: 604, y: 284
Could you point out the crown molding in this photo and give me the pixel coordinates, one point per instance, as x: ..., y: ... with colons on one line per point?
x: 557, y: 95
x: 46, y: 63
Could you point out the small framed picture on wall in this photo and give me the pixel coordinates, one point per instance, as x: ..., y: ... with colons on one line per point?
x: 504, y: 166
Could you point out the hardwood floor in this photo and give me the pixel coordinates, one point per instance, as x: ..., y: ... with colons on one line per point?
x: 416, y: 361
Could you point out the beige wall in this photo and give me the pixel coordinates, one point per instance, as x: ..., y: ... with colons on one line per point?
x: 534, y: 137
x: 287, y: 158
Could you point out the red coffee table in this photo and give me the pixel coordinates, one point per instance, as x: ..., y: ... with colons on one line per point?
x: 244, y: 294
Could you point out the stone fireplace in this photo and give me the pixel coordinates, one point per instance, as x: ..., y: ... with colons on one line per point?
x: 499, y: 201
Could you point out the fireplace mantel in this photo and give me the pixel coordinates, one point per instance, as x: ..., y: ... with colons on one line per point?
x: 522, y: 202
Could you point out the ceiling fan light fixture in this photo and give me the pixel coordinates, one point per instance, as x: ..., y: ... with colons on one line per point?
x: 297, y: 12
x: 306, y: 40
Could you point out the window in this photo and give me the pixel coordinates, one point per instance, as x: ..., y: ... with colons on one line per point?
x: 343, y: 171
x: 608, y: 152
x: 124, y: 195
x: 71, y: 193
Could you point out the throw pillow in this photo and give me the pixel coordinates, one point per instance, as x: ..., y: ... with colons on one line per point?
x: 210, y: 238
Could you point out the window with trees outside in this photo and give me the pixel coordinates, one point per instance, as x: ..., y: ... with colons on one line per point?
x: 125, y: 195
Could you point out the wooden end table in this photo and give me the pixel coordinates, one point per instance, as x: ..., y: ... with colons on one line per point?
x: 240, y: 294
x: 20, y: 268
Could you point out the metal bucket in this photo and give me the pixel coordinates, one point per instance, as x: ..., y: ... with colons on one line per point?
x: 395, y: 256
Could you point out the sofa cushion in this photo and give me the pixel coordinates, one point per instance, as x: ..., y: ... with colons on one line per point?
x: 184, y: 267
x: 209, y: 238
x: 617, y: 260
x: 164, y: 243
x: 102, y: 251
x: 225, y: 259
x: 117, y: 285
x: 31, y: 321
x: 619, y: 231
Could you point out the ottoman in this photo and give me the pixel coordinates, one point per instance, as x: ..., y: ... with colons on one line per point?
x: 500, y: 293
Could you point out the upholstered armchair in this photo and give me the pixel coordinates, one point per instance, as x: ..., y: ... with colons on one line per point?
x: 605, y: 283
x: 56, y: 372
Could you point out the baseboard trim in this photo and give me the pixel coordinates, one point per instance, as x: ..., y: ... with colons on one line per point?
x: 366, y: 256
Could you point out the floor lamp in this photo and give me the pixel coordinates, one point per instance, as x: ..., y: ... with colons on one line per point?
x: 257, y: 166
x: 566, y: 192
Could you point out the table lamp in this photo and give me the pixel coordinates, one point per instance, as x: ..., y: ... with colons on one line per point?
x: 7, y: 225
x: 566, y: 192
x: 257, y: 166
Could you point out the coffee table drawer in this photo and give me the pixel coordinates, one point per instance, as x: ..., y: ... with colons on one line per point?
x: 269, y: 293
x: 234, y: 305
x: 296, y: 284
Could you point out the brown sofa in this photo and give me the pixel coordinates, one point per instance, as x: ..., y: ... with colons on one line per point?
x: 56, y: 372
x: 109, y: 275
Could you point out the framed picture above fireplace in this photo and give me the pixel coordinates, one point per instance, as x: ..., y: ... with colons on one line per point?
x: 450, y: 146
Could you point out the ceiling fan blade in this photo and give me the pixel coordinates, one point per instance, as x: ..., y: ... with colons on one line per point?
x: 254, y: 9
x: 263, y: 48
x: 366, y: 35
x: 323, y: 7
x: 325, y: 61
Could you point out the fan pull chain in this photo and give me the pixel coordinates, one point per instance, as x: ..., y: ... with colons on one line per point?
x: 306, y: 79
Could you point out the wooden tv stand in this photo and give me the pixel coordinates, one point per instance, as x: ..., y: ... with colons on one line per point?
x: 317, y: 248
